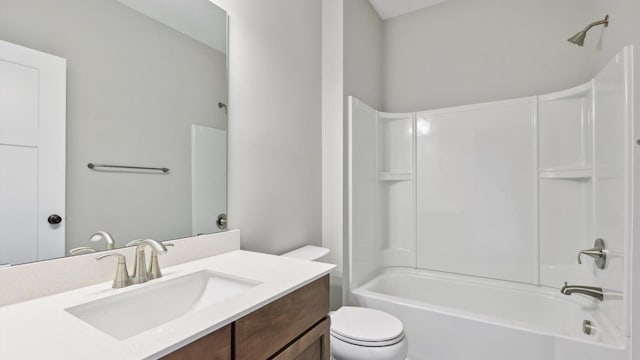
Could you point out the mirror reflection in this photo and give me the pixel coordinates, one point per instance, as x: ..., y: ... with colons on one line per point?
x: 113, y: 124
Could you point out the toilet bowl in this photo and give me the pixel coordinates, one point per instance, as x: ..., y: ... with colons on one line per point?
x: 359, y: 333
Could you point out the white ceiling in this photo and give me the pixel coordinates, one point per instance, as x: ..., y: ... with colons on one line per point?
x: 198, y: 19
x: 392, y: 8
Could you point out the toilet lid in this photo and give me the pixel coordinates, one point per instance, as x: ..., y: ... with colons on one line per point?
x: 363, y: 324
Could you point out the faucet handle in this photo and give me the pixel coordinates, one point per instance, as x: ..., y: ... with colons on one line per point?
x: 153, y: 251
x: 122, y: 278
x: 154, y: 266
x: 82, y: 250
x: 134, y: 243
x: 598, y: 253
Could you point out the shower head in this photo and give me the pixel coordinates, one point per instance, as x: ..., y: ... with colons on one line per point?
x: 578, y: 38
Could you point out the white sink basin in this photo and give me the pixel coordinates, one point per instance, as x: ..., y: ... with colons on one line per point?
x: 134, y: 312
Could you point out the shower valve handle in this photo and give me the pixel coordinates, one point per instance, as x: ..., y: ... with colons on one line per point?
x: 598, y: 253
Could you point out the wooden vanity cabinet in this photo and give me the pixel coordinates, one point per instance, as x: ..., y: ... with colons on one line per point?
x: 215, y: 346
x: 295, y: 326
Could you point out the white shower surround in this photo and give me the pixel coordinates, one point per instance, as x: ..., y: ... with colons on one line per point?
x: 385, y: 271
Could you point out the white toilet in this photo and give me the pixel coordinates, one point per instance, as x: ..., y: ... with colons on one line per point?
x: 359, y: 333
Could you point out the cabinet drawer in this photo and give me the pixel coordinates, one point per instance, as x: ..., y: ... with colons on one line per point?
x: 264, y: 332
x: 312, y: 345
x: 215, y: 346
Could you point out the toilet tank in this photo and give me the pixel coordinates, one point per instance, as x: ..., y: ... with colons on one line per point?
x: 309, y: 252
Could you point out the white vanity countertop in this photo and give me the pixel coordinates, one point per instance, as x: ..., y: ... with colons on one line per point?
x: 42, y: 329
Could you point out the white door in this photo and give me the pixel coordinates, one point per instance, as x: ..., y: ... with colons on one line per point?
x: 32, y: 154
x: 208, y: 178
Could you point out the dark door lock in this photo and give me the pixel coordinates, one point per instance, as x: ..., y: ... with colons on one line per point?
x: 54, y: 219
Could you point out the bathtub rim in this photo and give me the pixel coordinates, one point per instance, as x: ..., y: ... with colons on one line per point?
x: 618, y: 340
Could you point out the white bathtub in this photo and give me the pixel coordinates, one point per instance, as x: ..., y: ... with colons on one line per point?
x: 450, y: 317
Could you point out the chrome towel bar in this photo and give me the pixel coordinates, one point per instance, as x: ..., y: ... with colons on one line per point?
x: 95, y: 166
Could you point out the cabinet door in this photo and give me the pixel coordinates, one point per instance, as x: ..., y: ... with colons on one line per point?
x: 215, y: 346
x: 312, y: 345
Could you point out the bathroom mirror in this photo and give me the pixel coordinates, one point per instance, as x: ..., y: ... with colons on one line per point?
x: 113, y: 118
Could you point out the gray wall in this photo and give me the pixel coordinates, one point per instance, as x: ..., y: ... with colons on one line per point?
x: 463, y: 52
x: 624, y: 29
x: 362, y: 78
x: 134, y: 88
x: 333, y: 163
x: 362, y: 52
x: 352, y: 56
x: 275, y: 122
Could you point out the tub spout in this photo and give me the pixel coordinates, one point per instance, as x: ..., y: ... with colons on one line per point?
x: 594, y: 292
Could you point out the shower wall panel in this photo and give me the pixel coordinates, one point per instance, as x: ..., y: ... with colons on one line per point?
x: 565, y: 184
x: 477, y: 190
x: 611, y: 180
x: 395, y: 227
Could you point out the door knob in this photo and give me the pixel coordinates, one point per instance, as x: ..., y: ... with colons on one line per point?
x: 54, y: 219
x: 222, y: 221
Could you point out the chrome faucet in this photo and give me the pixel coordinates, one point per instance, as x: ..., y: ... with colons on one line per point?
x: 594, y: 292
x: 100, y: 235
x: 97, y: 236
x: 140, y: 272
